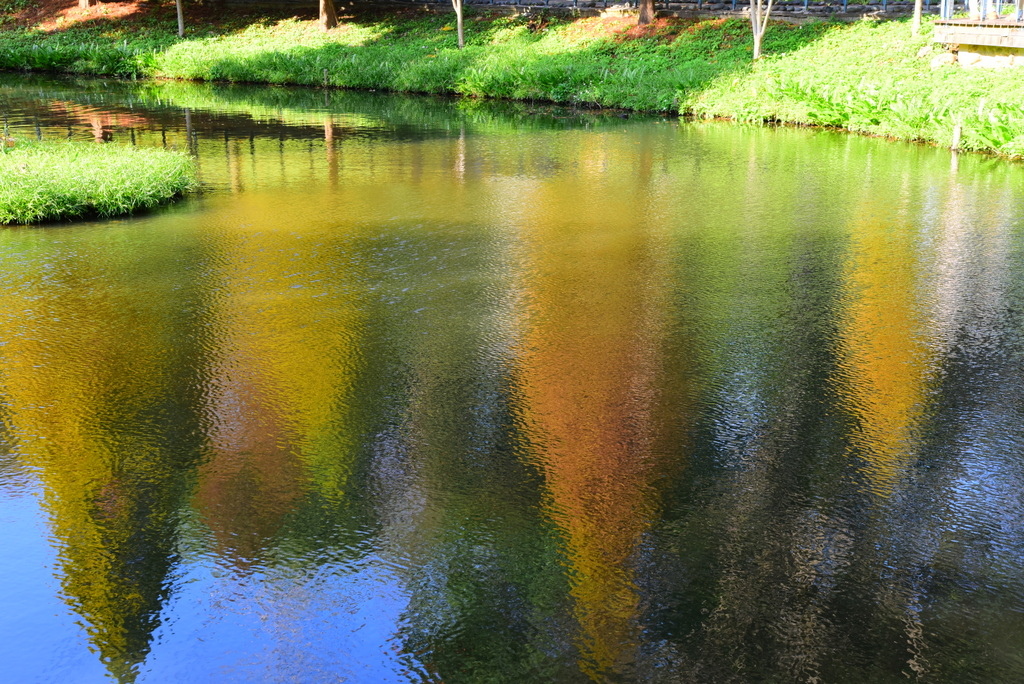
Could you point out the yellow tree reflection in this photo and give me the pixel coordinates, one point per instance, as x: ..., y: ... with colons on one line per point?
x: 883, y: 357
x: 286, y: 334
x: 593, y: 351
x: 92, y: 387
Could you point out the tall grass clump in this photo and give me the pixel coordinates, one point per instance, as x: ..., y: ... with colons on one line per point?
x: 47, y: 181
x: 874, y: 77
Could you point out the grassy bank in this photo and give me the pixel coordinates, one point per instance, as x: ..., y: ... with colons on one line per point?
x: 866, y: 76
x: 592, y: 61
x: 61, y: 180
x: 870, y: 77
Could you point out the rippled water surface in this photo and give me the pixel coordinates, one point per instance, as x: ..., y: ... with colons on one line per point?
x: 423, y: 391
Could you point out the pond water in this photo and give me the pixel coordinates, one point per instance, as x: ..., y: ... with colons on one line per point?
x: 418, y: 390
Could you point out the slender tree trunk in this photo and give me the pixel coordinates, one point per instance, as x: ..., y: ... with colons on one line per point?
x: 915, y: 25
x: 457, y: 4
x: 181, y: 18
x: 646, y: 12
x: 759, y: 15
x: 755, y: 25
x: 328, y: 17
x: 460, y: 27
x: 85, y: 4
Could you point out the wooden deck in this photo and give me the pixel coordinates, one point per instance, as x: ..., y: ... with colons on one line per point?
x: 1003, y: 32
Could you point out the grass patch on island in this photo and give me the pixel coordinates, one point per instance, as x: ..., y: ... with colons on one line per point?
x: 48, y: 181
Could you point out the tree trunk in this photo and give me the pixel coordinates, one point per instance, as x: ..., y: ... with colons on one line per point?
x: 755, y: 25
x: 915, y: 26
x: 759, y: 14
x: 646, y: 12
x: 457, y: 4
x: 85, y: 4
x: 328, y: 17
x: 181, y: 18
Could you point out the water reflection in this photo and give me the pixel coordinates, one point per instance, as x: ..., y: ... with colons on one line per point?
x: 101, y: 408
x: 884, y: 358
x: 593, y: 350
x: 281, y: 373
x: 419, y: 390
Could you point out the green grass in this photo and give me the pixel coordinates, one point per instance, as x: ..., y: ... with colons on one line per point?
x: 865, y: 77
x: 506, y: 57
x: 868, y: 77
x: 47, y: 181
